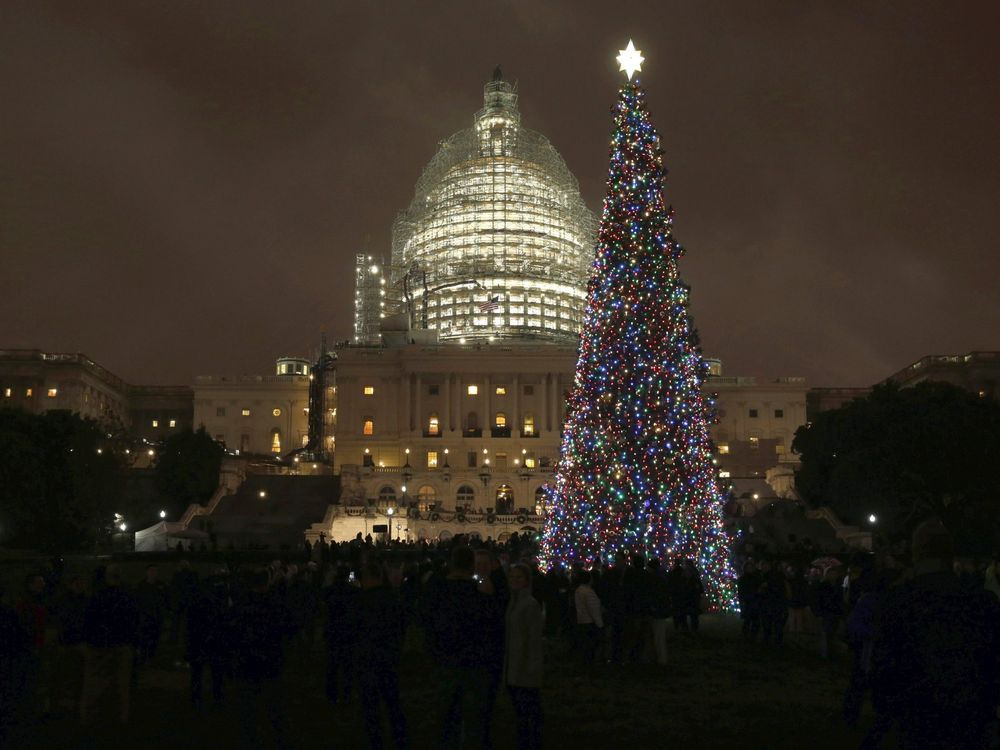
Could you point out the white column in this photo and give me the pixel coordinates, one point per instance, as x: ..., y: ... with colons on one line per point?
x: 418, y: 414
x: 446, y: 425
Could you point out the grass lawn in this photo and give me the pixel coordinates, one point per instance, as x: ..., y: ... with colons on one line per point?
x: 717, y: 692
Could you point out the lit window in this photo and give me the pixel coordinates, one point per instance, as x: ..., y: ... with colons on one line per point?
x: 779, y: 449
x: 723, y: 448
x: 501, y: 419
x: 275, y: 442
x: 724, y: 474
x: 246, y: 412
x: 432, y: 459
x: 426, y: 496
x: 276, y: 411
x: 529, y: 461
x: 369, y: 390
x: 501, y: 390
x: 779, y: 413
x: 529, y: 424
x: 473, y: 390
x: 368, y: 427
x: 173, y: 422
x: 52, y: 392
x: 156, y: 423
x: 7, y: 392
x: 433, y: 425
x: 755, y: 442
x: 753, y: 414
x: 28, y: 392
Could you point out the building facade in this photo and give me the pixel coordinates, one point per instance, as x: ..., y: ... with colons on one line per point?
x: 264, y: 415
x: 38, y: 381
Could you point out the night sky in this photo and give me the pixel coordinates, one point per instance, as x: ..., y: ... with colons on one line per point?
x: 184, y: 185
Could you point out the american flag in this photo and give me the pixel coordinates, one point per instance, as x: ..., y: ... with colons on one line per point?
x: 493, y: 303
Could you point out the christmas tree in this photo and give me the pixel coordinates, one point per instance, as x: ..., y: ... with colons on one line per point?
x: 637, y: 472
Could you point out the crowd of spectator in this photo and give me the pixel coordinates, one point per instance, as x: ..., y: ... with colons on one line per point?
x: 923, y: 641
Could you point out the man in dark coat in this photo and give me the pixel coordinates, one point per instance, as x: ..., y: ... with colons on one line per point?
x: 936, y: 653
x: 261, y: 629
x: 341, y: 634
x: 209, y: 633
x: 152, y: 598
x: 111, y: 629
x: 380, y: 630
x: 459, y: 611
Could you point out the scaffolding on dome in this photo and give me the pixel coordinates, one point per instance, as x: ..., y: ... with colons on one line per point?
x: 497, y: 242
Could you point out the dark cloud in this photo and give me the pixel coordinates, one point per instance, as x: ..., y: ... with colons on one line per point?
x: 183, y: 185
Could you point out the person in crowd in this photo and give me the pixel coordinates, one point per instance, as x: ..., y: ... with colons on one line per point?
x: 828, y: 606
x: 992, y: 577
x: 860, y: 631
x: 379, y: 624
x: 691, y: 593
x: 151, y: 597
x: 935, y: 667
x: 33, y: 610
x: 340, y: 632
x: 589, y: 618
x: 261, y: 630
x: 522, y: 668
x: 68, y: 613
x: 183, y: 590
x: 611, y: 599
x: 773, y: 603
x: 660, y: 609
x: 798, y: 599
x: 111, y: 632
x: 748, y: 590
x: 494, y: 582
x: 459, y: 610
x: 209, y: 633
x: 15, y: 654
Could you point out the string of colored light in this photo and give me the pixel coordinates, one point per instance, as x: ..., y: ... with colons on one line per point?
x: 637, y: 471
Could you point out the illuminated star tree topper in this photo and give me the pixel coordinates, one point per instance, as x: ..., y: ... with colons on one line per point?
x: 630, y: 60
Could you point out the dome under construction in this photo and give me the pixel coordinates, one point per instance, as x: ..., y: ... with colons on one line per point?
x: 497, y: 242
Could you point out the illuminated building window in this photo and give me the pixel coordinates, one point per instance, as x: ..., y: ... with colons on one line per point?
x: 246, y: 412
x: 173, y: 422
x: 426, y: 497
x: 275, y: 441
x: 276, y: 411
x: 472, y: 390
x: 501, y: 390
x: 501, y: 419
x: 433, y: 425
x: 369, y: 390
x: 28, y: 392
x: 755, y: 442
x: 724, y: 474
x: 52, y: 392
x: 723, y: 448
x: 465, y: 496
x: 779, y: 413
x: 7, y: 392
x: 753, y: 414
x: 368, y: 426
x: 156, y: 423
x: 529, y: 425
x: 432, y: 459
